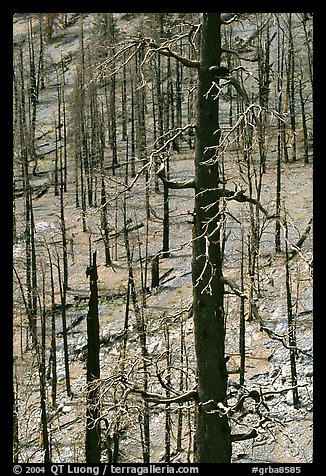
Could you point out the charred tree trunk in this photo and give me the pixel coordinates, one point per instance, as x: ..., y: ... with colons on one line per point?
x: 33, y: 267
x: 308, y: 39
x: 141, y: 140
x: 291, y: 324
x: 213, y: 443
x: 64, y: 126
x: 44, y: 418
x: 168, y: 419
x: 141, y: 330
x: 155, y: 272
x: 166, y: 216
x: 63, y: 294
x: 124, y: 113
x: 112, y: 94
x: 280, y: 134
x: 290, y: 88
x: 264, y: 82
x: 133, y: 132
x: 53, y: 352
x: 33, y: 96
x: 212, y: 440
x: 104, y: 220
x: 93, y: 435
x: 242, y: 323
x: 15, y: 426
x: 304, y: 124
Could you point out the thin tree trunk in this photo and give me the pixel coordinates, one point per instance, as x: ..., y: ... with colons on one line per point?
x: 53, y: 351
x: 133, y: 134
x: 104, y: 220
x: 56, y: 161
x: 64, y: 282
x: 290, y: 88
x: 44, y: 419
x: 32, y: 96
x: 15, y: 425
x: 64, y: 327
x: 166, y: 215
x: 291, y: 325
x: 64, y: 125
x: 168, y: 421
x: 24, y: 154
x: 41, y: 74
x: 178, y: 93
x: 127, y: 161
x: 308, y: 44
x: 33, y: 265
x: 263, y: 76
x: 181, y: 384
x: 93, y: 434
x: 304, y: 125
x: 155, y: 272
x: 141, y: 329
x: 141, y: 146
x: 124, y: 104
x: 280, y: 56
x: 242, y: 327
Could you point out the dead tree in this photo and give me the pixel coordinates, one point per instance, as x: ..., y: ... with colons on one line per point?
x: 93, y: 433
x: 291, y: 86
x: 291, y: 324
x: 63, y: 298
x: 141, y: 330
x: 15, y: 425
x: 213, y: 443
x: 213, y: 438
x: 44, y: 433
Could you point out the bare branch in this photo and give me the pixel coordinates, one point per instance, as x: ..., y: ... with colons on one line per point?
x: 166, y: 51
x: 296, y: 248
x: 244, y: 436
x: 229, y: 18
x: 238, y: 292
x: 175, y: 185
x: 285, y: 389
x: 235, y: 83
x: 281, y: 339
x: 235, y: 288
x: 239, y: 196
x: 159, y: 399
x: 178, y: 132
x: 99, y: 70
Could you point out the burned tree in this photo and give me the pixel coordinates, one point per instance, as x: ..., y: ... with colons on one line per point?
x: 213, y: 438
x: 213, y: 442
x: 197, y: 403
x: 93, y: 436
x: 208, y: 287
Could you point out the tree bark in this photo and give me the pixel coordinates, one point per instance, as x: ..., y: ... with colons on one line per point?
x: 93, y: 435
x: 291, y: 325
x: 213, y: 443
x: 212, y: 440
x: 44, y: 435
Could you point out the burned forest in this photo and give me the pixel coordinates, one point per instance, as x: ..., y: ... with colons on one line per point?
x: 162, y: 238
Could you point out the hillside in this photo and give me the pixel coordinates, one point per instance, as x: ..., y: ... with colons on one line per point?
x: 284, y: 433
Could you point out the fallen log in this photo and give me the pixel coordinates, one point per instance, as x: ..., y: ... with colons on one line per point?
x: 131, y: 228
x: 74, y: 323
x: 41, y: 191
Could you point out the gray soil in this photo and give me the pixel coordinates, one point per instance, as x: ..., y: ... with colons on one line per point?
x: 284, y: 432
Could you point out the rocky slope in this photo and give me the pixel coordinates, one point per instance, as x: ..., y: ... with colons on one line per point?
x: 284, y: 432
